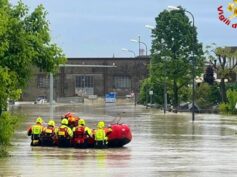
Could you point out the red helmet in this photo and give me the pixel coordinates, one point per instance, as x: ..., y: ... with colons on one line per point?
x: 68, y: 114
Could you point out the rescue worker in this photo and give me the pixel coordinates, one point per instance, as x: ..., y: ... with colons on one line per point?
x: 35, y: 132
x: 72, y: 120
x: 82, y: 135
x: 48, y: 135
x: 64, y: 134
x: 100, y: 134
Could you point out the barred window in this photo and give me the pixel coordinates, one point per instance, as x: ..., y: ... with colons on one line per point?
x: 84, y: 81
x: 42, y: 81
x: 122, y: 82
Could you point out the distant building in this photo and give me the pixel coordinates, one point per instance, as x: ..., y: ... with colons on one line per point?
x: 91, y: 76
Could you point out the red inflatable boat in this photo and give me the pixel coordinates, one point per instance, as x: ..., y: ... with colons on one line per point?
x: 120, y: 135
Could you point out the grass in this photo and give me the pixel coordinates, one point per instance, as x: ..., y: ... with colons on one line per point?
x: 8, y: 125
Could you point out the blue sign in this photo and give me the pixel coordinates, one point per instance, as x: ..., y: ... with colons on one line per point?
x: 110, y: 97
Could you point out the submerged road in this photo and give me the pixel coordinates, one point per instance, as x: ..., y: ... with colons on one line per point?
x: 162, y: 145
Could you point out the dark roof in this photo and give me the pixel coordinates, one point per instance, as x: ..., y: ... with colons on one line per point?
x: 233, y: 48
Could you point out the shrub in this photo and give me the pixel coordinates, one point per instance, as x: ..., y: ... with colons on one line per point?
x: 232, y: 86
x: 3, y: 151
x: 207, y: 95
x: 223, y: 108
x: 229, y: 107
x: 232, y: 100
x: 8, y: 125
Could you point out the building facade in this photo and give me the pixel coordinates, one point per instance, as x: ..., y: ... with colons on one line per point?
x: 91, y: 76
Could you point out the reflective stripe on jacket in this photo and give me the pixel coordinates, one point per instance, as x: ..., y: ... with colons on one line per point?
x: 49, y: 131
x: 81, y: 131
x: 69, y: 130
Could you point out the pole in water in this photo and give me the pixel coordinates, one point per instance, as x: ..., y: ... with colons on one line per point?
x: 51, y: 95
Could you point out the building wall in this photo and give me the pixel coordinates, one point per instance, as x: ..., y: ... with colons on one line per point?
x: 134, y: 69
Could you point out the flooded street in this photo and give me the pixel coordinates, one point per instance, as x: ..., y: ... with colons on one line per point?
x: 162, y: 145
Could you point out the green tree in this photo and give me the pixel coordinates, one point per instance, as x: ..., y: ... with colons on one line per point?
x: 25, y: 43
x: 8, y: 88
x: 157, y: 88
x: 209, y: 75
x: 174, y: 39
x: 224, y: 63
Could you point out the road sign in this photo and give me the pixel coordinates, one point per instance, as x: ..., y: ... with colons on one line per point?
x: 110, y: 97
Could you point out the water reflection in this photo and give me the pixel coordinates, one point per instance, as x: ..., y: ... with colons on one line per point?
x: 162, y: 145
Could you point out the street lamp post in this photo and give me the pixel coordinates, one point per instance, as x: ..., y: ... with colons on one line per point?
x: 151, y: 95
x: 164, y: 70
x: 151, y: 91
x: 150, y: 28
x: 139, y: 42
x: 84, y: 86
x: 139, y: 45
x: 131, y: 51
x: 165, y: 97
x: 193, y: 61
x: 135, y: 87
x: 165, y: 87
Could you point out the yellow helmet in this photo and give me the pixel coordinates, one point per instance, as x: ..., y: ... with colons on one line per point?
x: 64, y: 122
x: 51, y: 123
x: 39, y: 120
x: 100, y: 124
x: 82, y: 122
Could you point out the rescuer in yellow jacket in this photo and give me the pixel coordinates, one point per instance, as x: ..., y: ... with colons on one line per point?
x: 48, y: 136
x: 35, y: 132
x: 100, y: 134
x: 82, y: 135
x: 82, y: 124
x: 64, y: 134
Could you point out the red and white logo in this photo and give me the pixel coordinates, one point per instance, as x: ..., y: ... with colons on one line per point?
x: 231, y: 11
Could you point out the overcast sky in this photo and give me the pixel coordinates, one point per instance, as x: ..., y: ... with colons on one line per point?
x: 100, y: 28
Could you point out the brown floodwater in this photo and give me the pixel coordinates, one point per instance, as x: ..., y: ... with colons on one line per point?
x: 162, y: 145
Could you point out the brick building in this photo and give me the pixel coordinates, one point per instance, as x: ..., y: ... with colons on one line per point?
x: 91, y: 76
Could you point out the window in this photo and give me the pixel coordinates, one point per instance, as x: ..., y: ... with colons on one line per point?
x: 42, y: 81
x: 122, y: 82
x: 84, y: 81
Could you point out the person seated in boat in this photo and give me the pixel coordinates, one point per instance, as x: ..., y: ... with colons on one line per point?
x: 72, y: 119
x: 108, y: 130
x: 35, y: 132
x: 48, y: 136
x: 100, y: 135
x: 81, y: 135
x: 64, y: 134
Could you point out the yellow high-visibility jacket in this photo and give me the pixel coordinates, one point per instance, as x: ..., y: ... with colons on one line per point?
x: 69, y: 130
x: 37, y: 129
x: 100, y: 134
